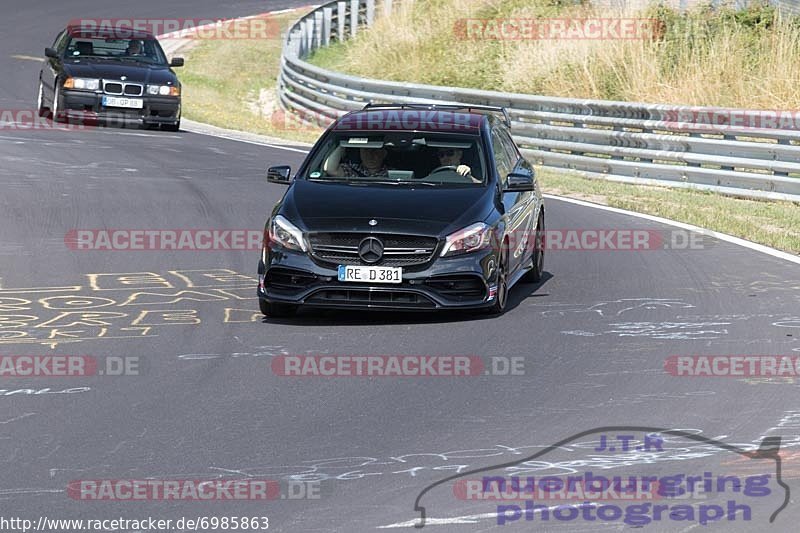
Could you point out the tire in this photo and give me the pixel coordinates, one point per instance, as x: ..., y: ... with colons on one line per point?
x: 276, y: 310
x: 501, y: 297
x: 534, y: 275
x: 41, y: 109
x: 172, y: 127
x: 55, y: 110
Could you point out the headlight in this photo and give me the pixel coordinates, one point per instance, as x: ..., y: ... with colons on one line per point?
x: 286, y: 234
x: 86, y: 84
x: 163, y: 90
x: 469, y: 239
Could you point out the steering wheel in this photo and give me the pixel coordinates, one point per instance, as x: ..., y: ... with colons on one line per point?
x: 445, y: 167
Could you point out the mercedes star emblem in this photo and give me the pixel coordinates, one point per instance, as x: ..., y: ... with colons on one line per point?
x: 370, y: 250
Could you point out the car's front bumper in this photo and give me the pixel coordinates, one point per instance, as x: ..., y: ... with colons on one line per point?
x: 462, y: 282
x: 87, y: 106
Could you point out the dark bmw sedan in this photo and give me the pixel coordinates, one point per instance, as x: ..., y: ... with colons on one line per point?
x: 117, y: 77
x: 404, y: 208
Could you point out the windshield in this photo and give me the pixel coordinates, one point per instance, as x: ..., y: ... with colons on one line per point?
x: 424, y: 158
x: 141, y: 50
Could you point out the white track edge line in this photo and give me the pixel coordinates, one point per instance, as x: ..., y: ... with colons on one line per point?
x: 717, y: 235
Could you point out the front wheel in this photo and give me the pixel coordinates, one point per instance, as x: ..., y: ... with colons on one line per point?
x: 41, y: 109
x: 172, y: 127
x: 501, y: 296
x: 534, y: 275
x: 276, y: 310
x: 56, y: 109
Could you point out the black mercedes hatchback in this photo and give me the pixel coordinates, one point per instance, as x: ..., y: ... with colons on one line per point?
x: 115, y: 76
x: 404, y: 207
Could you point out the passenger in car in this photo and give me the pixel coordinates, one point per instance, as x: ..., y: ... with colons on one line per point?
x: 134, y: 48
x: 372, y: 163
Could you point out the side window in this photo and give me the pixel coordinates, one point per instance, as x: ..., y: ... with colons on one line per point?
x: 510, y: 148
x: 61, y: 42
x: 501, y: 156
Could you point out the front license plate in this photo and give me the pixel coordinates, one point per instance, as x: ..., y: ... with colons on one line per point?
x: 114, y: 101
x: 371, y: 274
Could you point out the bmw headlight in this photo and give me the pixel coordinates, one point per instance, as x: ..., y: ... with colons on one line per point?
x: 470, y: 239
x: 163, y: 90
x: 84, y: 84
x: 286, y: 234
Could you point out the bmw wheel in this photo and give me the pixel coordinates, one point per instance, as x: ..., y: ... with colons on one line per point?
x: 42, y: 110
x: 56, y: 109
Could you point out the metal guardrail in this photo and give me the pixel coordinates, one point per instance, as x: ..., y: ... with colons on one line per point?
x: 697, y: 147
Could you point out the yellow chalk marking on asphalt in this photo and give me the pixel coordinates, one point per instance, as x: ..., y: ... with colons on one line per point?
x: 27, y: 58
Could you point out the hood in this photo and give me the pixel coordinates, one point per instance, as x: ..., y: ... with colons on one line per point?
x: 315, y: 206
x: 112, y: 70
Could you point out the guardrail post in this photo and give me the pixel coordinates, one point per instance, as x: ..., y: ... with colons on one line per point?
x: 294, y: 43
x: 317, y: 29
x: 302, y: 43
x: 341, y: 18
x: 353, y: 17
x: 309, y: 36
x: 387, y: 7
x: 326, y: 26
x: 370, y: 12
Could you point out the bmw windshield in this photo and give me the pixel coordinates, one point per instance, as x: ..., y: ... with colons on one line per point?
x: 141, y: 50
x: 423, y: 158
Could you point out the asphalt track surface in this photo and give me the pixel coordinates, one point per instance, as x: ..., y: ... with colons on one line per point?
x: 594, y: 336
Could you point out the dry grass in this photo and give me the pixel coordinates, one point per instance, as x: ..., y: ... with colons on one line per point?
x: 722, y: 57
x: 231, y: 84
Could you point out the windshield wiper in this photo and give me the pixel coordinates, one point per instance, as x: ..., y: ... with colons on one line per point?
x: 368, y: 181
x: 407, y: 182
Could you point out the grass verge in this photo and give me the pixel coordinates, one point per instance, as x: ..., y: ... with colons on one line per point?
x: 775, y: 224
x: 232, y: 84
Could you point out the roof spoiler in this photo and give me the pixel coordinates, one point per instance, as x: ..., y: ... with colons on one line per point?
x: 448, y: 107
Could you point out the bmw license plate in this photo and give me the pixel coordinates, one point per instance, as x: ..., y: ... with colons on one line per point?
x: 115, y: 101
x: 371, y: 274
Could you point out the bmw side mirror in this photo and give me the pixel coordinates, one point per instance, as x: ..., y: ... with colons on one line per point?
x: 51, y: 52
x: 520, y: 182
x: 279, y: 174
x: 176, y: 62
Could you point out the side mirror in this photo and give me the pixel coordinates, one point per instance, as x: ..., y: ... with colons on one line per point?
x: 51, y: 52
x: 519, y: 182
x: 176, y: 62
x: 279, y: 174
